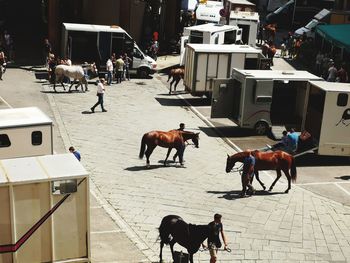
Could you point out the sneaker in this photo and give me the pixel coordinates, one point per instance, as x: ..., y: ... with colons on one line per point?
x: 92, y: 110
x: 104, y: 110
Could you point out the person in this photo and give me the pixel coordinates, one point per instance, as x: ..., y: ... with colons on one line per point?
x: 181, y: 128
x: 120, y: 68
x: 283, y: 143
x: 318, y: 63
x: 213, y: 242
x: 109, y: 67
x: 293, y: 139
x: 2, y: 63
x: 51, y: 68
x: 127, y: 61
x: 342, y: 75
x: 46, y: 50
x: 75, y: 152
x: 8, y: 41
x: 332, y: 73
x: 100, y: 94
x: 248, y: 173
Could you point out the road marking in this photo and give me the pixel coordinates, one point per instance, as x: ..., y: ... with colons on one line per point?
x: 106, y: 232
x: 320, y: 183
x: 8, y: 105
x: 342, y: 188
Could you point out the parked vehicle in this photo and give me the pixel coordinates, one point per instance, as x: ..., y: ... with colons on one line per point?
x: 25, y: 132
x: 84, y: 42
x: 208, y: 12
x: 210, y: 34
x: 207, y: 62
x: 309, y: 29
x: 258, y: 99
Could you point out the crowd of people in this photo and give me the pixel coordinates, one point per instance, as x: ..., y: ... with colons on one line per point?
x: 118, y: 68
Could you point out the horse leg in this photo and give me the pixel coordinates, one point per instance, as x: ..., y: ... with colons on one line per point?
x: 71, y: 85
x: 172, y: 243
x: 171, y: 83
x: 167, y: 155
x: 191, y: 257
x: 278, y: 171
x: 161, y: 251
x: 289, y: 178
x: 258, y: 179
x: 148, y: 153
x: 176, y: 82
x: 64, y: 88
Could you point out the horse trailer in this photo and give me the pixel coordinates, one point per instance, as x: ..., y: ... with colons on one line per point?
x: 84, y: 42
x: 44, y: 210
x: 209, y: 34
x: 258, y: 99
x: 207, y: 62
x: 25, y: 132
x: 326, y: 117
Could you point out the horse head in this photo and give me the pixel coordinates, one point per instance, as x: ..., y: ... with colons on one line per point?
x: 231, y: 160
x: 195, y: 139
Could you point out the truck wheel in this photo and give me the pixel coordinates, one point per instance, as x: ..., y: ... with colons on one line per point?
x: 143, y: 73
x: 261, y: 128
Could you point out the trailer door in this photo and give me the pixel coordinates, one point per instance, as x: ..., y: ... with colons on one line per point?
x: 222, y: 98
x: 104, y: 46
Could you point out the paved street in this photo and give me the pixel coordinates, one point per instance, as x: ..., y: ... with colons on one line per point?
x: 269, y: 227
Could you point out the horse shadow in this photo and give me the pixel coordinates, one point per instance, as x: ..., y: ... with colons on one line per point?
x: 343, y: 177
x: 144, y: 167
x: 235, y: 194
x: 86, y: 112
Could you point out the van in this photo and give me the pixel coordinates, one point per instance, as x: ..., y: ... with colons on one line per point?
x: 85, y: 42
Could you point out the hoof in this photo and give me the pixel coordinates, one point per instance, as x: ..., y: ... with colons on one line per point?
x: 270, y: 189
x: 242, y: 195
x: 264, y: 187
x: 286, y: 191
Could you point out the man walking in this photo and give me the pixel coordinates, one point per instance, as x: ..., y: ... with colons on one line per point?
x: 214, y: 243
x: 100, y: 94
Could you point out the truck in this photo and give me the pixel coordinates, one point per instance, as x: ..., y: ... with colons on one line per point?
x: 259, y: 99
x: 208, y: 12
x: 96, y: 43
x: 209, y: 34
x: 205, y: 62
x: 248, y: 22
x: 25, y: 132
x: 44, y: 210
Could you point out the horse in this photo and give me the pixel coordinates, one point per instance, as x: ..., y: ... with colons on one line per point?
x: 278, y: 160
x: 171, y: 139
x: 75, y: 72
x: 173, y: 229
x: 177, y: 74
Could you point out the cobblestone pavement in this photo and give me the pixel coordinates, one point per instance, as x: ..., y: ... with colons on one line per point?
x: 268, y: 227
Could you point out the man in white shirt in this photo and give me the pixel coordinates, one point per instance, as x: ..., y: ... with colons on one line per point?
x: 100, y: 93
x: 109, y: 67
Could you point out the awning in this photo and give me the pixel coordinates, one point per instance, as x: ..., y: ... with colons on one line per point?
x: 337, y: 35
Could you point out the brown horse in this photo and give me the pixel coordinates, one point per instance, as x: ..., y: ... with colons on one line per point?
x: 171, y: 139
x: 173, y: 229
x: 177, y: 74
x: 278, y: 160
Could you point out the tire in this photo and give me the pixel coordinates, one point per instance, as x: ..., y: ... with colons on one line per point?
x: 143, y: 73
x: 261, y: 128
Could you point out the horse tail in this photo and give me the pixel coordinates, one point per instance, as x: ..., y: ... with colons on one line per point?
x: 143, y: 146
x: 293, y: 170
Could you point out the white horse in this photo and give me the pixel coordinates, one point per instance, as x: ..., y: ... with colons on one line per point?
x: 75, y: 72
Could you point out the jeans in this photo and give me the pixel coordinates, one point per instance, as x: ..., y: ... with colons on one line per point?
x: 109, y: 77
x: 100, y: 101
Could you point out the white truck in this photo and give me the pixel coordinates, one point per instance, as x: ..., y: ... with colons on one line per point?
x: 45, y: 215
x: 85, y: 42
x: 206, y: 62
x: 209, y: 34
x: 258, y: 99
x: 25, y: 132
x: 248, y: 22
x: 208, y: 12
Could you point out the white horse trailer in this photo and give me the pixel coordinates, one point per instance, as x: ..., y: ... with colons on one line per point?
x: 207, y: 62
x: 44, y: 210
x: 209, y: 34
x: 327, y: 117
x: 25, y: 132
x: 258, y: 99
x: 248, y: 22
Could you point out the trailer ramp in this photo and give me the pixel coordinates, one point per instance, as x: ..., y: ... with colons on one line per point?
x: 311, y: 150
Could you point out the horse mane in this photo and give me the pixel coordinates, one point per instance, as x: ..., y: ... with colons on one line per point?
x: 240, y: 155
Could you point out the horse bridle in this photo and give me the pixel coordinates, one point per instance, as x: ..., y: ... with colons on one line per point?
x: 237, y: 169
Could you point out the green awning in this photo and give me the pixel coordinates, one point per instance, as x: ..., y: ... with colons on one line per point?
x: 337, y: 35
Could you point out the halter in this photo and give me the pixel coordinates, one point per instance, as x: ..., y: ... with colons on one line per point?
x: 219, y: 249
x: 237, y: 169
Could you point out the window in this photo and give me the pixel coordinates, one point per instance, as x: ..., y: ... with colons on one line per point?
x: 37, y: 138
x: 230, y: 37
x: 342, y: 99
x: 4, y: 141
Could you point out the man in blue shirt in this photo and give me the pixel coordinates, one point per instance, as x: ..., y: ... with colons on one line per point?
x: 75, y: 152
x: 248, y: 173
x: 293, y: 139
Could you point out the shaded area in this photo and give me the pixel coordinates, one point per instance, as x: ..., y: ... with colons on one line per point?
x: 174, y: 101
x: 344, y: 177
x: 311, y: 159
x: 232, y: 195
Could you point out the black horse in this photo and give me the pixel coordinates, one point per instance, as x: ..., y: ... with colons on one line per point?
x: 173, y: 229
